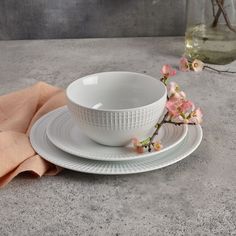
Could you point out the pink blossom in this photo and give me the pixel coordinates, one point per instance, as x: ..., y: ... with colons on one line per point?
x: 187, y: 107
x: 179, y: 108
x: 197, y: 65
x: 174, y: 90
x: 137, y: 145
x: 173, y: 106
x: 157, y: 146
x: 181, y: 94
x: 184, y: 64
x: 168, y: 71
x: 196, y: 116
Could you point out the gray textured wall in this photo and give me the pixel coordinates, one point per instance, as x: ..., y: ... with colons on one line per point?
x: 33, y: 19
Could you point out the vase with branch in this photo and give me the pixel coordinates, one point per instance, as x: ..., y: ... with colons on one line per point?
x: 211, y: 31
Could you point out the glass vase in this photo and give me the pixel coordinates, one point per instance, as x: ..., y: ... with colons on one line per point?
x: 211, y: 31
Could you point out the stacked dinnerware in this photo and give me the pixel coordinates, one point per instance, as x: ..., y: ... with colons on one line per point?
x: 104, y: 112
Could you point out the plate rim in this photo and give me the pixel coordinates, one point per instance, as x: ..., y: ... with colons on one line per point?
x: 63, y: 110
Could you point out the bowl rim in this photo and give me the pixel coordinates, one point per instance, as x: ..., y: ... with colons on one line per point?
x: 116, y: 110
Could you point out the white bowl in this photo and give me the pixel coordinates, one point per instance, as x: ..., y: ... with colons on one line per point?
x: 113, y: 107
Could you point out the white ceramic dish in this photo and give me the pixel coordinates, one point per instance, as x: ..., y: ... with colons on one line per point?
x: 113, y: 107
x: 51, y: 153
x: 64, y: 134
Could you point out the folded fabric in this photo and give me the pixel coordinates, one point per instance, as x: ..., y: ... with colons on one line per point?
x: 18, y: 112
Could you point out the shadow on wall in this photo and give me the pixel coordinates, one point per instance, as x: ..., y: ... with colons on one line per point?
x: 46, y: 19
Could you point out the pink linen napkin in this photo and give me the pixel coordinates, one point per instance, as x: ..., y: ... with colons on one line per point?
x: 18, y: 112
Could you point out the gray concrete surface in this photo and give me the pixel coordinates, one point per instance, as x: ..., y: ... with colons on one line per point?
x: 34, y: 19
x: 196, y: 196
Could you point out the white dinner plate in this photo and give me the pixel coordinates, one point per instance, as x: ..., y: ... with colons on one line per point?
x: 51, y: 153
x: 66, y: 135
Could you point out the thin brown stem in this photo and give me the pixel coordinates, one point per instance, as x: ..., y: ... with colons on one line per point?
x: 158, y: 126
x: 213, y: 8
x: 219, y: 71
x: 177, y: 123
x: 225, y: 16
x: 217, y: 15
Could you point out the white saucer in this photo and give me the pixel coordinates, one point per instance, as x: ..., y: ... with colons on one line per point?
x: 65, y: 134
x: 51, y: 153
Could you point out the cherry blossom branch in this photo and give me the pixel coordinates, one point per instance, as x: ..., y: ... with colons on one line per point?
x: 179, y: 111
